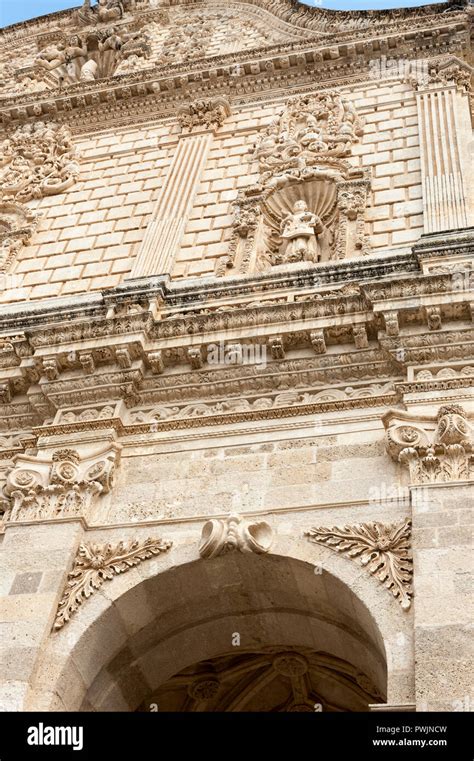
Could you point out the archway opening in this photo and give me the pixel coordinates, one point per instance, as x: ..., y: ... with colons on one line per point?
x: 233, y: 633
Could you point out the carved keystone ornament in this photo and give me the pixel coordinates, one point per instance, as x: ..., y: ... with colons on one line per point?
x: 234, y: 533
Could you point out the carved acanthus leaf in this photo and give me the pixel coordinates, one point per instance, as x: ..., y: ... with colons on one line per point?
x: 96, y: 563
x: 383, y: 549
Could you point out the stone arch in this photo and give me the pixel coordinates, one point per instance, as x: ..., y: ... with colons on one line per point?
x: 175, y: 610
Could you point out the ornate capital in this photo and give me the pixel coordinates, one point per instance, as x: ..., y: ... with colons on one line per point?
x: 203, y: 115
x: 436, y: 450
x: 96, y: 563
x: 384, y: 549
x: 66, y: 485
x: 233, y: 533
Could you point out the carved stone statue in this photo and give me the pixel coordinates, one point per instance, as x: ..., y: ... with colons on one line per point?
x: 109, y: 10
x: 88, y: 71
x: 52, y: 56
x: 298, y: 231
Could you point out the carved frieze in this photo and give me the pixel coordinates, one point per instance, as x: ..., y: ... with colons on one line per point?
x: 434, y: 450
x: 383, y: 549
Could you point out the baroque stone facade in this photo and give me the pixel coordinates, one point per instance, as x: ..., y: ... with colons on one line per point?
x: 236, y: 358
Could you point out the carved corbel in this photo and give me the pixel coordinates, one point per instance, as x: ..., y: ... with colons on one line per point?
x: 234, y: 533
x: 361, y: 340
x: 123, y: 358
x: 194, y: 355
x: 318, y: 341
x: 276, y: 346
x: 87, y: 362
x: 51, y: 368
x: 392, y: 327
x: 433, y: 318
x: 155, y: 359
x: 435, y: 450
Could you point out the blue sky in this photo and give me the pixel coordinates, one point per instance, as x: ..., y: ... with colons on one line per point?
x: 12, y: 11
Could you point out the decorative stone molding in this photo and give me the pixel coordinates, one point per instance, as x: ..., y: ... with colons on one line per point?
x: 96, y: 563
x: 38, y: 160
x: 234, y: 533
x: 384, y: 549
x: 436, y: 450
x: 64, y: 486
x: 203, y: 114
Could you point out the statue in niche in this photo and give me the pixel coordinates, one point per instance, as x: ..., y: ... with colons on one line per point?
x: 299, y: 231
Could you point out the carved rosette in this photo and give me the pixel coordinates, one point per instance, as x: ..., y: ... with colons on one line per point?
x: 438, y: 451
x: 96, y: 563
x: 383, y: 549
x: 38, y: 160
x: 202, y: 115
x: 65, y: 486
x: 234, y: 533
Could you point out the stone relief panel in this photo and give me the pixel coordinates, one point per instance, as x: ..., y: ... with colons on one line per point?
x: 36, y: 160
x: 308, y: 203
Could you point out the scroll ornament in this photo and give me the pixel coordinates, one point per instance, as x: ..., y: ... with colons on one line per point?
x: 63, y: 487
x: 96, y: 563
x: 384, y: 549
x: 234, y: 533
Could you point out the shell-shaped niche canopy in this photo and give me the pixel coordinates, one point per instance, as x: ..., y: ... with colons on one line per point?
x: 320, y: 198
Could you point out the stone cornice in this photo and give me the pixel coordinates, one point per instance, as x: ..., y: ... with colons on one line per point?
x: 155, y: 91
x: 290, y: 12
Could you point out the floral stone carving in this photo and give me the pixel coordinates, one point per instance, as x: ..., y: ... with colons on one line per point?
x: 435, y: 451
x: 38, y: 160
x: 383, y: 549
x: 64, y: 486
x: 96, y: 563
x: 234, y: 533
x: 203, y: 114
